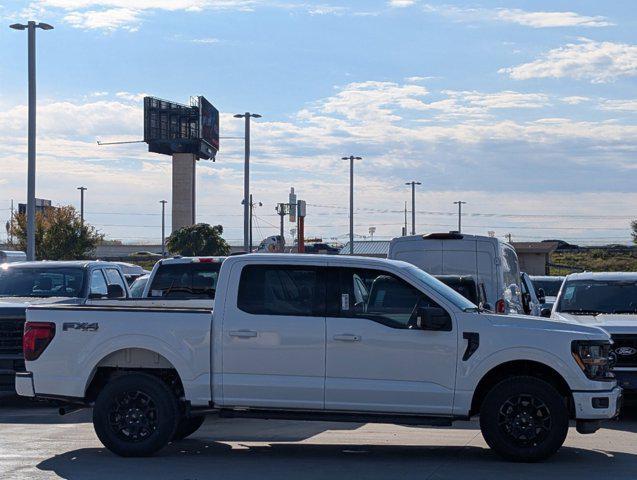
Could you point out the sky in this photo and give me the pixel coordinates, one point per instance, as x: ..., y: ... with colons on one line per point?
x: 526, y: 110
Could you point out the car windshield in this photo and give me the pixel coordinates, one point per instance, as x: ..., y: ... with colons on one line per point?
x: 443, y: 290
x: 41, y: 282
x: 586, y: 297
x: 137, y: 288
x: 551, y: 287
x: 186, y: 280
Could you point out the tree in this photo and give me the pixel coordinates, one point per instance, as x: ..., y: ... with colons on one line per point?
x: 198, y: 240
x: 633, y: 225
x: 59, y: 234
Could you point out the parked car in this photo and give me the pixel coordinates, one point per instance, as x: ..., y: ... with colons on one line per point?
x: 324, y: 248
x: 184, y: 278
x: 131, y: 271
x: 35, y: 283
x: 295, y: 337
x: 492, y: 262
x: 9, y: 256
x: 138, y: 286
x: 609, y: 301
x: 550, y: 287
x: 532, y: 301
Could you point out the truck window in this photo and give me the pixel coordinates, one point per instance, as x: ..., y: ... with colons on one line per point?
x: 185, y: 280
x: 98, y: 284
x: 387, y: 300
x: 18, y: 281
x: 114, y: 278
x: 282, y: 290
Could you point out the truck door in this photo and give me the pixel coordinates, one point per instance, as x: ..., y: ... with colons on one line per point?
x: 273, y: 346
x: 377, y: 359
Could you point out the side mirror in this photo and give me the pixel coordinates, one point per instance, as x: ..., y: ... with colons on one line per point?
x: 541, y: 296
x: 433, y: 318
x: 545, y: 312
x: 115, y: 291
x: 486, y: 306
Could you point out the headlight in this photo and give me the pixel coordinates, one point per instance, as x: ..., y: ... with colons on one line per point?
x: 593, y: 357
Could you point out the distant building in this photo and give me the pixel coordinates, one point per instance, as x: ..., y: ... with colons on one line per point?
x: 535, y: 256
x: 368, y: 248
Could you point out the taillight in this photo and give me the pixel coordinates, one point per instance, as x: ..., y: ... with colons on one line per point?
x: 500, y: 306
x: 37, y: 336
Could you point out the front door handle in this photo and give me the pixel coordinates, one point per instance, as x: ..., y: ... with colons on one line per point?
x: 243, y: 333
x: 347, y: 337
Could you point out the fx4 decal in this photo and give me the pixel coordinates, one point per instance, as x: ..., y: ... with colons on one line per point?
x: 84, y: 327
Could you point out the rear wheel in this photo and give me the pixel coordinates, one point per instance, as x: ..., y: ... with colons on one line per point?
x: 524, y: 419
x: 187, y: 426
x: 135, y: 415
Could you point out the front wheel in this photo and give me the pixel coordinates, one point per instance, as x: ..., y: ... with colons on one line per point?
x: 135, y: 415
x: 524, y: 419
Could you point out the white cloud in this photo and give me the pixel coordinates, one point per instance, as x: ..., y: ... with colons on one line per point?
x: 206, y: 41
x: 574, y: 99
x: 401, y: 3
x: 110, y: 19
x: 619, y: 105
x: 517, y: 16
x: 598, y: 62
x: 131, y: 97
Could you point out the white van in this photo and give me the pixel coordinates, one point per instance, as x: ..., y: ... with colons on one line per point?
x: 10, y: 256
x: 492, y: 262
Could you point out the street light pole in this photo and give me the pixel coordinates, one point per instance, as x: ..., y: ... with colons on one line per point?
x: 30, y: 27
x: 246, y: 178
x: 82, y: 189
x: 460, y: 204
x: 413, y: 205
x: 163, y: 227
x: 351, y: 159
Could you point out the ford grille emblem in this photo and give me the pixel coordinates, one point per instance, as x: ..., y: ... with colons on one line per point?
x: 626, y: 351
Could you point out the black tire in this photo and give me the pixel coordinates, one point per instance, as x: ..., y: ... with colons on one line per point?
x: 187, y: 426
x: 135, y: 415
x: 524, y: 419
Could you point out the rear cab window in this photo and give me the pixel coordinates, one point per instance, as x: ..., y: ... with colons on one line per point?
x: 194, y: 280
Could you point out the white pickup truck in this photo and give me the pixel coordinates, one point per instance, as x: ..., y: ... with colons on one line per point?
x: 318, y: 337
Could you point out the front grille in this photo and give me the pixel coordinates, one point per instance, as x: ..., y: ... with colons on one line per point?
x: 625, y: 350
x: 11, y: 330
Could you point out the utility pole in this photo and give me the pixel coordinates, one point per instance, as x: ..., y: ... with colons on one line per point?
x: 252, y: 205
x: 509, y: 237
x: 351, y: 159
x: 413, y: 205
x: 405, y: 227
x: 11, y: 224
x: 246, y: 178
x: 30, y: 27
x: 372, y: 231
x: 281, y: 210
x: 460, y: 203
x: 163, y: 227
x: 82, y: 189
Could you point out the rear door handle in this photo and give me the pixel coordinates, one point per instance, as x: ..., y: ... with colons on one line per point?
x: 243, y: 333
x: 347, y: 337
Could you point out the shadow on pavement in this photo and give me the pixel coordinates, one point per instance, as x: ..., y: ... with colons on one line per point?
x: 197, y: 459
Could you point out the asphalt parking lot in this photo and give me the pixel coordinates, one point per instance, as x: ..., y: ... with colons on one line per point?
x: 38, y: 443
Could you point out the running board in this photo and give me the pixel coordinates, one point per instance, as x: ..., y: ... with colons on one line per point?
x: 350, y: 417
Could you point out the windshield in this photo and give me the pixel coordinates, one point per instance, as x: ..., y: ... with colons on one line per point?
x: 137, y: 288
x: 443, y: 290
x: 41, y: 282
x: 586, y: 297
x: 551, y: 287
x: 186, y: 280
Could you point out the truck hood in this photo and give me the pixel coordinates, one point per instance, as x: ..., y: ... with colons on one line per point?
x: 524, y: 322
x: 613, y: 323
x: 6, y: 302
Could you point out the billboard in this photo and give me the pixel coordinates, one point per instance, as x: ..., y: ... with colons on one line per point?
x: 171, y: 127
x: 41, y: 205
x: 209, y: 123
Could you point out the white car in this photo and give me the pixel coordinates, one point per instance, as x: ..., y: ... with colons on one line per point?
x: 609, y: 301
x: 321, y: 337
